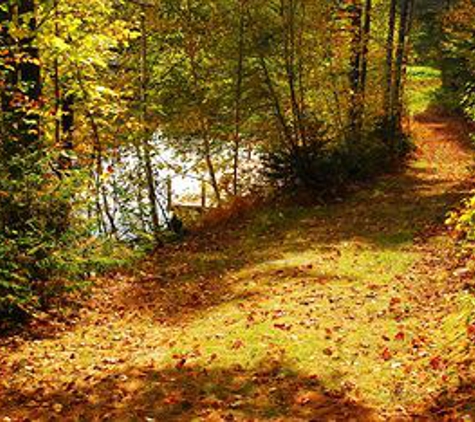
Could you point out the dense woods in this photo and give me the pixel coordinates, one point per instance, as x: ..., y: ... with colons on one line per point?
x: 244, y: 166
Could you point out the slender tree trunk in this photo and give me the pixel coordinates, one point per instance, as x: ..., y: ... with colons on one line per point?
x: 388, y: 99
x: 286, y: 132
x: 140, y: 198
x: 63, y: 106
x: 401, y: 56
x: 30, y: 73
x: 210, y: 166
x: 151, y: 186
x: 238, y: 105
x: 8, y: 68
x: 301, y: 70
x: 8, y: 77
x: 102, y: 204
x: 204, y: 129
x: 355, y: 67
x: 333, y: 76
x: 289, y: 11
x: 57, y: 87
x: 67, y: 121
x: 100, y: 188
x: 364, y: 56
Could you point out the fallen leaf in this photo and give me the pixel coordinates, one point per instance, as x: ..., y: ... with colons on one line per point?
x: 387, y: 355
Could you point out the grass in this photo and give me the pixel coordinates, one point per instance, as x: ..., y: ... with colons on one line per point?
x: 307, y: 315
x: 424, y: 85
x: 300, y: 314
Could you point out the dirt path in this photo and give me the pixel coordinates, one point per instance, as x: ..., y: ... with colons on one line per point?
x: 323, y: 314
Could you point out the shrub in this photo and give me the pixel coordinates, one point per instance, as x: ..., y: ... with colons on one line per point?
x: 462, y: 220
x: 327, y: 166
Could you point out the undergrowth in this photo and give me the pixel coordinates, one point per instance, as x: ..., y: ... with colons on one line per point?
x: 67, y: 269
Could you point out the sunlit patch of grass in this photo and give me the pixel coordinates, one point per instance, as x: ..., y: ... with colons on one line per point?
x: 421, y: 165
x: 323, y: 305
x: 423, y: 72
x: 314, y: 308
x: 424, y: 83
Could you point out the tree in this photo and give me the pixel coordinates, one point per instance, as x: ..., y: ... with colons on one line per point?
x: 21, y: 147
x: 405, y: 25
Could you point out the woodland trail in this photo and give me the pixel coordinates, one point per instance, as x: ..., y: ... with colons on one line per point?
x: 333, y: 313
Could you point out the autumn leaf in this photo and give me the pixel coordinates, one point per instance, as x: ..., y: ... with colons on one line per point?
x: 237, y: 345
x: 400, y: 336
x: 386, y: 354
x: 283, y: 327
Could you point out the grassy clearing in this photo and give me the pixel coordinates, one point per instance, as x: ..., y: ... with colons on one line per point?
x: 310, y: 299
x: 301, y: 314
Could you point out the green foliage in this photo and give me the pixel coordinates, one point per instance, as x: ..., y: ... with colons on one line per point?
x: 34, y: 215
x: 459, y: 76
x: 463, y: 220
x: 458, y: 63
x: 33, y: 276
x: 329, y: 166
x: 424, y: 88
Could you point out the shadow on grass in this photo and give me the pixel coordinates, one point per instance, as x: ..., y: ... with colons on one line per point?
x: 198, y: 274
x: 458, y: 405
x: 186, y: 393
x: 202, y: 274
x: 183, y: 280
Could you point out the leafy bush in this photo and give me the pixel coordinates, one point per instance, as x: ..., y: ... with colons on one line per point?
x: 33, y: 275
x: 46, y: 249
x: 462, y: 221
x: 459, y: 73
x: 327, y: 166
x: 34, y: 214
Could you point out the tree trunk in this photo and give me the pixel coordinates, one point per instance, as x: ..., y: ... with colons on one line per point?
x: 151, y: 186
x: 30, y: 74
x: 63, y: 107
x: 22, y: 78
x: 364, y: 55
x: 204, y: 131
x: 67, y: 120
x: 101, y: 193
x: 20, y: 103
x: 289, y: 10
x: 8, y: 67
x: 388, y: 99
x: 238, y: 105
x: 140, y: 198
x: 401, y: 56
x: 57, y: 87
x: 210, y: 166
x: 355, y: 67
x: 286, y: 133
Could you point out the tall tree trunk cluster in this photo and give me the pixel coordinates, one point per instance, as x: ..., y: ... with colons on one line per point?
x: 288, y: 103
x: 399, y: 28
x: 360, y: 23
x: 63, y: 105
x: 147, y: 158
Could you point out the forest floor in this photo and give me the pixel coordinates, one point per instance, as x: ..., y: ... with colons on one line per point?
x: 343, y: 312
